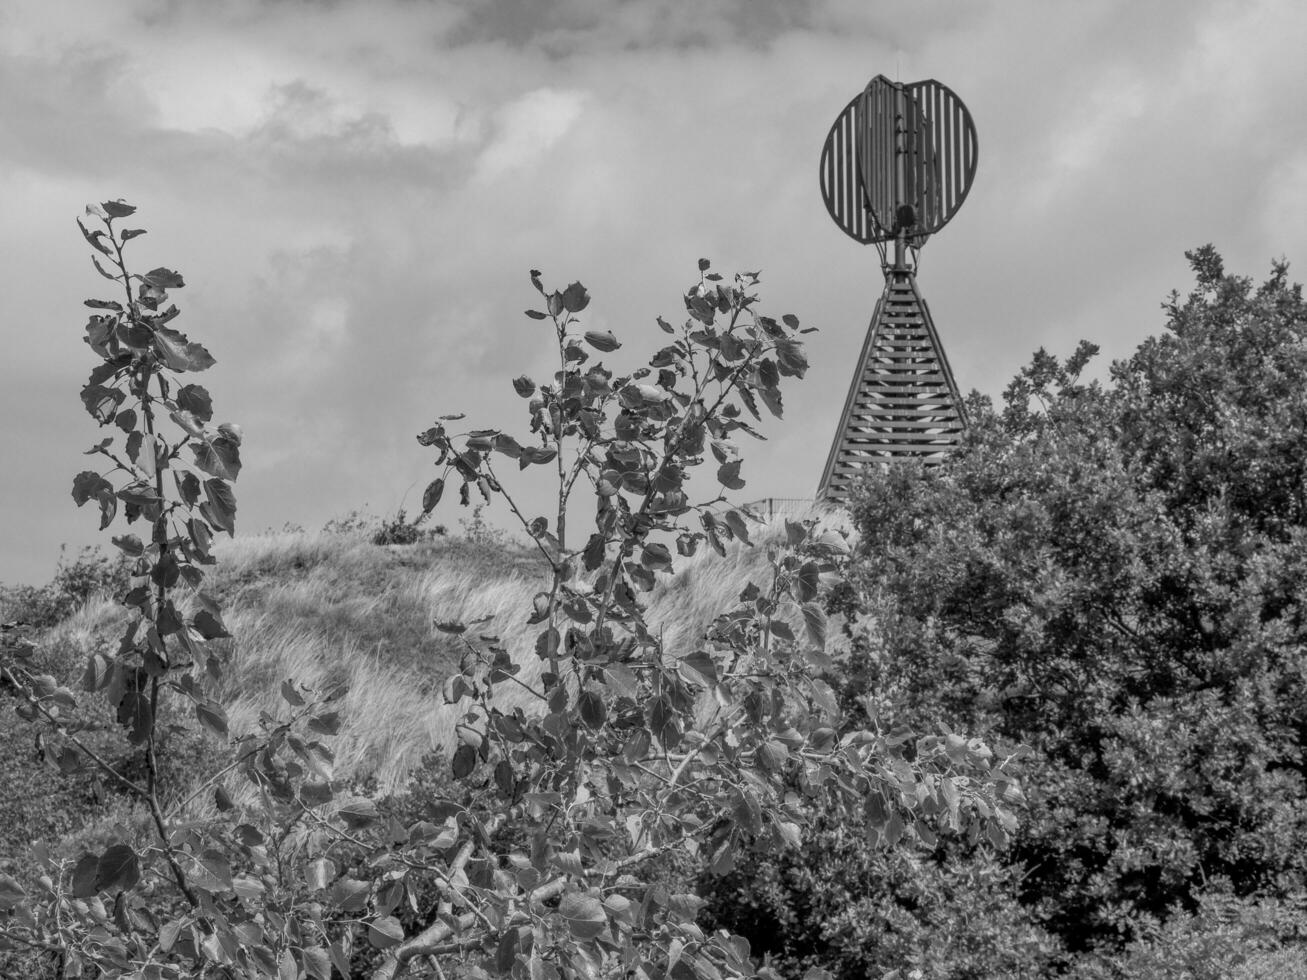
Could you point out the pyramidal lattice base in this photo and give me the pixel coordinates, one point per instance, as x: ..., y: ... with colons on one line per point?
x: 903, y: 403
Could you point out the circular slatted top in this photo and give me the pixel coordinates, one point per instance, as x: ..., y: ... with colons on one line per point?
x: 894, y: 148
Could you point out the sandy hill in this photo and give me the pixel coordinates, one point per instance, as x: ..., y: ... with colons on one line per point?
x: 333, y: 608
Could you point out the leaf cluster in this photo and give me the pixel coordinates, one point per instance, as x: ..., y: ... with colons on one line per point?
x: 1113, y: 575
x: 535, y: 859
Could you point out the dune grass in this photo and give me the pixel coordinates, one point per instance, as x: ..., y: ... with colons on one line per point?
x: 331, y: 610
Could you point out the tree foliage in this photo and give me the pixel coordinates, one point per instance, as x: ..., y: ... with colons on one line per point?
x: 1113, y: 574
x: 531, y: 861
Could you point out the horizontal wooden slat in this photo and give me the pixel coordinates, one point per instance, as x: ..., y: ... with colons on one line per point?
x: 889, y: 446
x: 891, y: 452
x: 898, y: 438
x: 892, y: 402
x: 887, y: 411
x: 922, y: 421
x: 905, y: 426
x: 903, y: 403
x: 869, y: 434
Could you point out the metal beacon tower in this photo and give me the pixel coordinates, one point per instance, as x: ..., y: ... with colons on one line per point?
x: 897, y: 165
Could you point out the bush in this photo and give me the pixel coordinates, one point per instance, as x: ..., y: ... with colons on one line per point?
x: 842, y: 904
x: 75, y: 581
x: 574, y: 772
x: 1226, y: 938
x: 398, y: 530
x: 1117, y: 577
x: 1113, y: 576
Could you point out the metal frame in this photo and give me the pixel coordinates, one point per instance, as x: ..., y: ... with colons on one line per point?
x: 896, y: 166
x: 866, y: 173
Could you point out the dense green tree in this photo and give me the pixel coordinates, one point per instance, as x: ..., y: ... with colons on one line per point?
x: 1115, y: 575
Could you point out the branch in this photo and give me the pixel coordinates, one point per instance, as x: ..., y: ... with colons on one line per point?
x: 526, y: 525
x: 465, y: 852
x: 176, y: 807
x: 431, y: 940
x: 139, y: 791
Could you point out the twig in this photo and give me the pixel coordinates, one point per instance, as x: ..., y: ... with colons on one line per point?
x: 139, y: 791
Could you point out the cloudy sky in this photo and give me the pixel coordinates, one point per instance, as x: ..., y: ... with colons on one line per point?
x: 355, y: 190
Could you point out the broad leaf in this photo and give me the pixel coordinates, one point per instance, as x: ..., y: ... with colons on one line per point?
x: 221, y: 509
x: 101, y: 402
x: 584, y: 915
x: 735, y: 522
x: 547, y: 643
x: 602, y: 340
x: 622, y: 680
x: 464, y: 761
x: 728, y: 475
x: 179, y: 353
x: 320, y: 872
x: 118, y: 867
x: 135, y: 714
x: 118, y: 208
x: 385, y: 932
x: 454, y: 688
x: 218, y: 456
x: 212, y: 716
x: 791, y: 359
x: 163, y: 279
x: 594, y: 712
x: 806, y: 585
x: 93, y: 237
x: 702, y: 665
x: 327, y: 723
x: 358, y: 813
x: 575, y: 298
x: 88, y: 484
x: 209, y: 626
x: 85, y: 874
x: 814, y: 620
x: 657, y: 557
x: 218, y: 868
x: 196, y: 400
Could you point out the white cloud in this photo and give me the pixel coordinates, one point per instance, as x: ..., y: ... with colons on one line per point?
x: 525, y: 130
x: 355, y: 200
x: 1094, y: 127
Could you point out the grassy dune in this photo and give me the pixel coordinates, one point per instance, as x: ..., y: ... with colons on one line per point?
x: 328, y: 609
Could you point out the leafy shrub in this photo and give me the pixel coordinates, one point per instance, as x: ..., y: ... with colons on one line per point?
x: 89, y: 574
x: 1226, y: 938
x: 842, y: 904
x: 481, y: 532
x: 1116, y: 576
x: 567, y: 780
x: 399, y: 530
x: 355, y: 522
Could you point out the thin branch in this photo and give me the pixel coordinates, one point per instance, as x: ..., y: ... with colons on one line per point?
x: 465, y: 852
x: 432, y: 940
x: 553, y: 562
x: 176, y: 807
x: 139, y: 791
